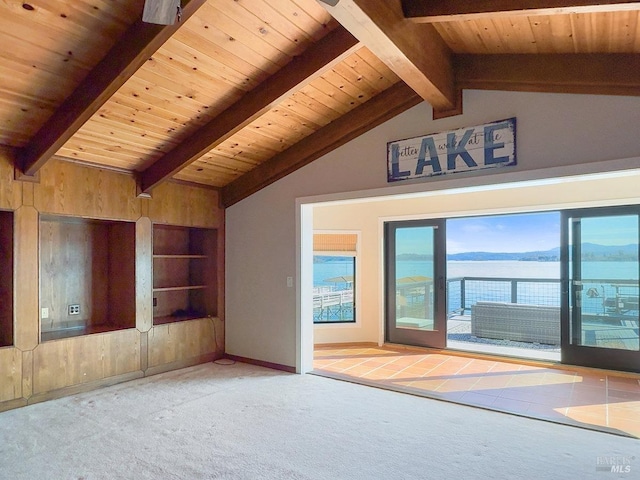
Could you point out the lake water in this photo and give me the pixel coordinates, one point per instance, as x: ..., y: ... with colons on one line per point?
x: 507, y: 269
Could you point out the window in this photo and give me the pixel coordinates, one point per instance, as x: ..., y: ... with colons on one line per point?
x: 334, y: 275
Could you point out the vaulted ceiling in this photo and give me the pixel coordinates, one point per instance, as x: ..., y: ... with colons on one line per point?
x: 239, y: 93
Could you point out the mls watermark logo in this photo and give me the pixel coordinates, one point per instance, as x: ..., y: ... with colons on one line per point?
x: 614, y: 464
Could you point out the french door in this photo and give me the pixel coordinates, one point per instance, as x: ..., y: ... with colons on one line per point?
x: 600, y: 276
x: 415, y: 283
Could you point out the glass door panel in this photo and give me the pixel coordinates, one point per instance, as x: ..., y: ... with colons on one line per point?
x: 415, y: 283
x: 603, y: 271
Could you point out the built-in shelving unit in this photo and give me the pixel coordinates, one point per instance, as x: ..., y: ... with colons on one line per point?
x: 87, y: 276
x: 6, y: 279
x: 184, y: 273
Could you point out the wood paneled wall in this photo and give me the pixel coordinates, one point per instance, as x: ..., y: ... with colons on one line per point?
x: 32, y: 370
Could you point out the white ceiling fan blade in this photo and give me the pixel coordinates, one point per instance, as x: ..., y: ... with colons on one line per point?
x: 162, y: 12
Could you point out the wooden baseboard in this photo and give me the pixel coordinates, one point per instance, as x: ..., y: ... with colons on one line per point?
x: 11, y: 404
x: 261, y: 363
x: 84, y: 387
x: 189, y: 362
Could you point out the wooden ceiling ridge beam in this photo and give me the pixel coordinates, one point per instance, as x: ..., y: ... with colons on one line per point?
x: 133, y: 49
x: 302, y: 70
x: 416, y: 53
x: 581, y: 73
x: 436, y: 11
x: 384, y: 106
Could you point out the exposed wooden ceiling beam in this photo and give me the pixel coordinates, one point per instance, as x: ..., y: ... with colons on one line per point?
x: 133, y: 49
x: 432, y: 11
x: 358, y: 121
x: 594, y: 73
x: 302, y: 70
x: 416, y: 53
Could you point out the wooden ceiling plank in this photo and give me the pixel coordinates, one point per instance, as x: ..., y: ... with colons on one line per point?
x: 133, y: 49
x: 300, y: 71
x: 296, y: 103
x: 286, y: 123
x: 338, y: 94
x: 436, y: 11
x: 316, y: 27
x: 269, y: 44
x: 295, y: 117
x: 223, y: 152
x: 215, y: 55
x: 156, y: 81
x: 320, y: 102
x: 379, y: 66
x: 268, y: 17
x: 191, y: 62
x: 218, y: 40
x: 379, y: 109
x: 381, y: 26
x: 375, y: 78
x: 597, y: 73
x: 337, y: 81
x: 274, y: 129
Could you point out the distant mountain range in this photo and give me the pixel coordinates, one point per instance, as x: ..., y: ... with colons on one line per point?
x: 590, y: 252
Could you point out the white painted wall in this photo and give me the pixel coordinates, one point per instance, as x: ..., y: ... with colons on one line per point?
x: 558, y: 135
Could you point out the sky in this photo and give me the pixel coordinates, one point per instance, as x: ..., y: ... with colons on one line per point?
x: 620, y: 230
x: 504, y: 233
x: 527, y: 232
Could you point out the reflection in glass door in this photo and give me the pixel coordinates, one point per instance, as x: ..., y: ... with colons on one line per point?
x: 415, y: 283
x: 602, y: 272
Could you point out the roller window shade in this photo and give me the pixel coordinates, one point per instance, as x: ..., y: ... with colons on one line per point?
x: 334, y: 242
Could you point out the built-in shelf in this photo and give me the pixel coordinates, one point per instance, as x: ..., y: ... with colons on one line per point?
x: 184, y: 273
x: 87, y: 276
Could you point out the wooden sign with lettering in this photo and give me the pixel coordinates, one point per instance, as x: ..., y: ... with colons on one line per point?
x: 467, y: 149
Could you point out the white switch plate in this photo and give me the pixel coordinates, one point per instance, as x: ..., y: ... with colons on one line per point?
x: 45, y: 313
x: 289, y: 282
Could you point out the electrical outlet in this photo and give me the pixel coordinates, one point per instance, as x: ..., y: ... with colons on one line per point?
x: 74, y: 309
x: 45, y: 313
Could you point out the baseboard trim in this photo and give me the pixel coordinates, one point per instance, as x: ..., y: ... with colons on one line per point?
x: 11, y: 404
x: 261, y: 363
x: 189, y: 362
x: 84, y: 387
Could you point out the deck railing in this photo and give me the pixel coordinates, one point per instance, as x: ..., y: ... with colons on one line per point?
x: 333, y: 306
x: 599, y: 296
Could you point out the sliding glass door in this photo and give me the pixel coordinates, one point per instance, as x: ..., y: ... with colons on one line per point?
x: 415, y: 283
x: 601, y: 271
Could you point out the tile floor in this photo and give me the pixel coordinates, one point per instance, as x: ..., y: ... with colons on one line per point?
x: 589, y: 398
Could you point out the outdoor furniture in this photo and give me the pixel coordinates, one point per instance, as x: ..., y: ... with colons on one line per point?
x: 518, y: 322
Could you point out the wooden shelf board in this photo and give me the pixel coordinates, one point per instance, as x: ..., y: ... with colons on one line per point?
x: 175, y: 289
x: 180, y: 256
x: 173, y: 319
x: 78, y: 332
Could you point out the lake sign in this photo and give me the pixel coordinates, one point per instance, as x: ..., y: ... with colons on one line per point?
x: 467, y: 149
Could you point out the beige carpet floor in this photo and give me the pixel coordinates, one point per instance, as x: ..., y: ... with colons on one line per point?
x: 245, y: 422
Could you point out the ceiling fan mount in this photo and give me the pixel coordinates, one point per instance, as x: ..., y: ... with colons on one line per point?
x: 161, y: 12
